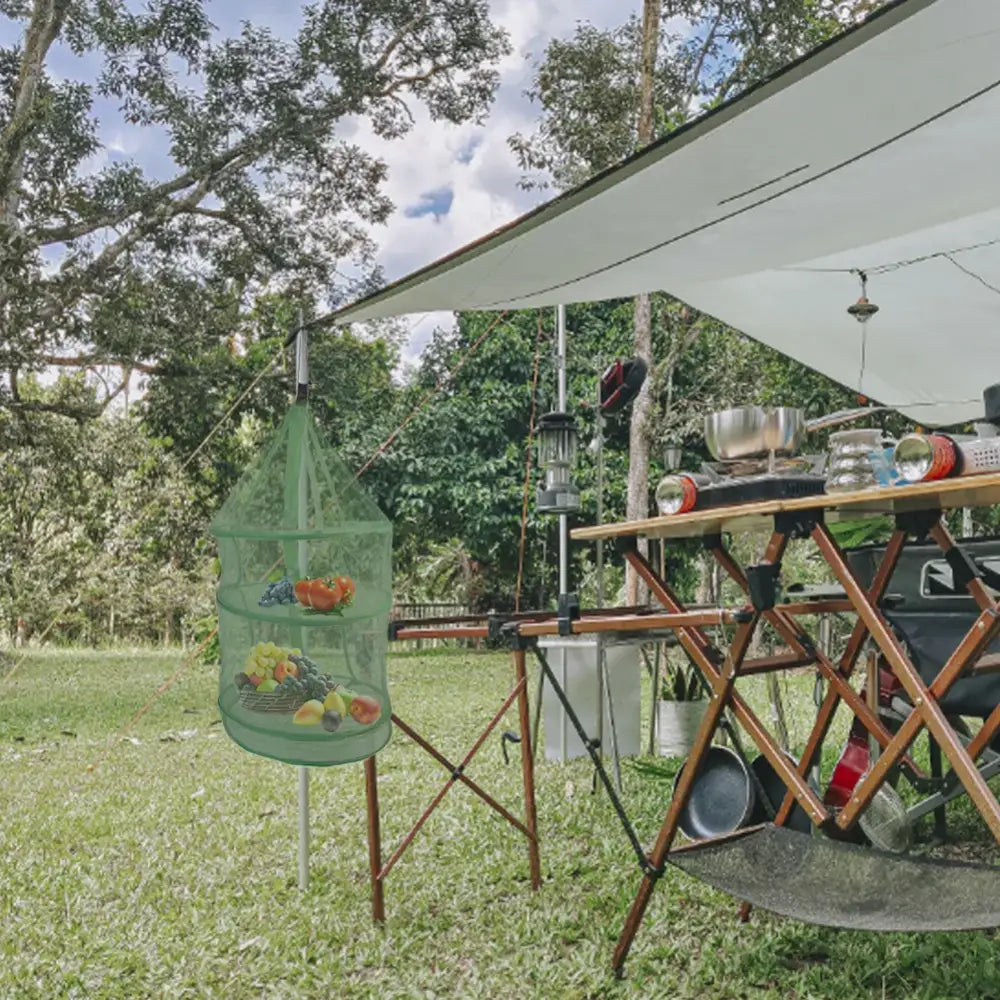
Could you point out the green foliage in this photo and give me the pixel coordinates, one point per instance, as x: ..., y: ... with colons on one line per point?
x: 850, y: 534
x: 265, y: 194
x: 458, y: 469
x: 588, y: 91
x: 99, y: 527
x: 682, y: 682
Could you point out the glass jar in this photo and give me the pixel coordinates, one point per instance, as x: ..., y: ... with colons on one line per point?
x: 857, y: 460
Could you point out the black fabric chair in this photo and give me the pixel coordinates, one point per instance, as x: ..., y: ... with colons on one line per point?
x: 930, y: 614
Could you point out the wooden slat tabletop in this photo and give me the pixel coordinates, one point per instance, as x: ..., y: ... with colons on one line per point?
x: 967, y: 491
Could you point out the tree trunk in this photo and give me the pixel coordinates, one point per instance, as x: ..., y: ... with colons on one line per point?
x: 637, y: 505
x: 44, y: 25
x: 647, y: 68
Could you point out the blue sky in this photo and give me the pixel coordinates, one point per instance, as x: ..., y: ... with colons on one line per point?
x: 450, y: 184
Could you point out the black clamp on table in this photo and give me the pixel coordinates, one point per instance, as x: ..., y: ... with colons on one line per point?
x: 762, y: 582
x: 798, y: 523
x: 568, y: 612
x: 918, y: 522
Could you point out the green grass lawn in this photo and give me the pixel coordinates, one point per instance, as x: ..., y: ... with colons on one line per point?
x: 169, y: 870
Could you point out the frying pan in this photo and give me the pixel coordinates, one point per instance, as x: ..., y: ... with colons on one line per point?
x: 722, y: 797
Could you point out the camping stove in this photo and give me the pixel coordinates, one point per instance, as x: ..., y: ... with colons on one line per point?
x: 723, y: 484
x: 752, y: 480
x: 762, y: 486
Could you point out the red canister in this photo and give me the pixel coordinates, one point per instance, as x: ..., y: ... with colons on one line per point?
x: 676, y: 494
x: 924, y: 457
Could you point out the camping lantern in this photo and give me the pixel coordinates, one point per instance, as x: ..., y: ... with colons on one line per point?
x: 556, y: 455
x: 304, y: 600
x: 673, y: 454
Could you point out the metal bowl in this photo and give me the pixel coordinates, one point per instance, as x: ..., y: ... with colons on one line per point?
x: 736, y: 433
x: 784, y: 429
x: 752, y: 431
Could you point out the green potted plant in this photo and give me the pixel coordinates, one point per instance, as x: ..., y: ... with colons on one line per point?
x: 680, y: 708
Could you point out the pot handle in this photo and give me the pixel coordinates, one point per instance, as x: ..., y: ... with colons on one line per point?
x: 842, y: 417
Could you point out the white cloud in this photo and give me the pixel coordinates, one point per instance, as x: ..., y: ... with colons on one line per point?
x: 475, y: 162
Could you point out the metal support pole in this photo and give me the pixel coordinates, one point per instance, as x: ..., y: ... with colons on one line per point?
x: 301, y: 394
x: 561, y: 406
x: 599, y: 429
x: 563, y: 519
x: 303, y: 828
x: 602, y: 678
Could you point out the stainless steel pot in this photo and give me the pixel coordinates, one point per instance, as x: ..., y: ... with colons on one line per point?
x: 756, y: 431
x: 736, y: 433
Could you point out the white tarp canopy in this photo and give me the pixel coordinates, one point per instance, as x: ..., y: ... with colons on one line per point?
x: 879, y: 152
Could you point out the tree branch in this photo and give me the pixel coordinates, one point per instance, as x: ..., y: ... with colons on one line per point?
x: 699, y: 65
x: 111, y: 395
x: 147, y: 200
x: 407, y: 81
x: 95, y: 361
x: 249, y: 233
x: 396, y: 41
x: 81, y: 414
x: 160, y: 216
x: 406, y: 108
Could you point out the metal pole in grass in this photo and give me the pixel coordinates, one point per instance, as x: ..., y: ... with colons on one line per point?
x: 563, y: 518
x: 602, y: 679
x: 301, y: 395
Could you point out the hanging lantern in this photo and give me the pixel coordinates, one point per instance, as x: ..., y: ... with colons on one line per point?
x: 304, y: 600
x: 863, y: 310
x: 556, y: 455
x: 673, y: 453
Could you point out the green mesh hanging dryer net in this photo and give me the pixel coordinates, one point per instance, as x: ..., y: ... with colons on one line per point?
x: 304, y: 600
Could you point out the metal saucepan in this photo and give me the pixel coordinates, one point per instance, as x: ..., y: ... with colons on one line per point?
x: 722, y: 797
x: 755, y: 431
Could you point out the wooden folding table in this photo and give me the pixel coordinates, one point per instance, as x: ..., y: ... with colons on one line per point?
x: 917, y: 512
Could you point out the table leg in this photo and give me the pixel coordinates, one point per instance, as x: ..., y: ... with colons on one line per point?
x: 527, y: 767
x: 788, y: 629
x: 702, y: 658
x: 374, y: 840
